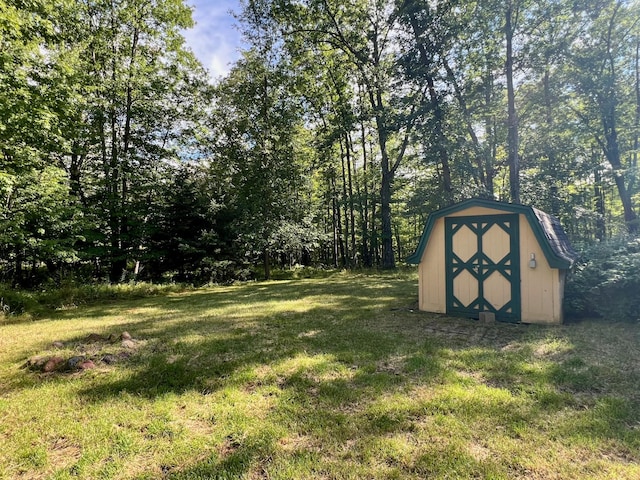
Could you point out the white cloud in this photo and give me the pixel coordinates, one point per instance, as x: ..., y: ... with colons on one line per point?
x: 215, y: 40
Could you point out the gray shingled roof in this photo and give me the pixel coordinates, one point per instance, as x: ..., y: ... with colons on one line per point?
x: 546, y: 228
x: 557, y: 238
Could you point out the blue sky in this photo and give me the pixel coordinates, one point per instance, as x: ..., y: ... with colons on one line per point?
x: 214, y: 39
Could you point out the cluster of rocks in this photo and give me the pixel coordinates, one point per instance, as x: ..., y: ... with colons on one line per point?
x: 60, y: 364
x: 76, y: 363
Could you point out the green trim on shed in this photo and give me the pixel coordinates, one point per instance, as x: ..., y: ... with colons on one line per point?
x: 554, y: 260
x: 481, y: 267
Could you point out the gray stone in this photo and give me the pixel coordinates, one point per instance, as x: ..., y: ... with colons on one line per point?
x: 74, y: 362
x: 109, y: 359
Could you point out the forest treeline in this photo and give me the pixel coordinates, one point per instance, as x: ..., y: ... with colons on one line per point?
x: 342, y: 126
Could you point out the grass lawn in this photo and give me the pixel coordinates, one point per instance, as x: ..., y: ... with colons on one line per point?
x: 338, y: 378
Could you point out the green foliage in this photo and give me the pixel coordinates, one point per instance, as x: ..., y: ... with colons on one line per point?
x: 16, y: 302
x: 606, y: 282
x: 214, y: 271
x: 187, y: 230
x: 257, y: 126
x: 71, y: 294
x: 41, y: 221
x: 339, y: 130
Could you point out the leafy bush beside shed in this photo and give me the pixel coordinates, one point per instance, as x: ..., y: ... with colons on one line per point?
x: 606, y: 281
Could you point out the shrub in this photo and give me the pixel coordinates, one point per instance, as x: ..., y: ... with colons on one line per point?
x: 606, y: 281
x: 71, y: 294
x: 16, y: 302
x: 211, y: 271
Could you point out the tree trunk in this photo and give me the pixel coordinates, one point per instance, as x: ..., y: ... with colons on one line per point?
x: 75, y: 173
x: 387, y: 170
x: 267, y: 263
x: 374, y: 248
x: 386, y: 186
x: 489, y: 129
x: 398, y: 241
x: 386, y: 181
x: 611, y: 145
x: 118, y: 263
x: 612, y: 152
x: 352, y: 216
x: 366, y: 254
x: 599, y: 195
x: 337, y: 222
x: 346, y: 258
x: 438, y: 114
x: 388, y: 259
x: 334, y: 226
x: 482, y: 162
x: 125, y: 241
x: 550, y: 150
x: 443, y: 155
x: 18, y: 274
x: 636, y: 123
x: 512, y: 119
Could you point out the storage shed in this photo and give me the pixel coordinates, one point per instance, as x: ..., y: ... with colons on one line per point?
x: 482, y: 256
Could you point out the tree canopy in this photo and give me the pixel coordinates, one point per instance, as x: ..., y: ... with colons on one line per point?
x: 342, y: 126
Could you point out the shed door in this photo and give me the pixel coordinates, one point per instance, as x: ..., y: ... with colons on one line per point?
x: 482, y: 266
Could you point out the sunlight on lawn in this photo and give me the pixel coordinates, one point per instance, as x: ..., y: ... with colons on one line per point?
x: 325, y: 378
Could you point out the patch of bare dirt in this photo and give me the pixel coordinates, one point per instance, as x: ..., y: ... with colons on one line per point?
x: 63, y: 454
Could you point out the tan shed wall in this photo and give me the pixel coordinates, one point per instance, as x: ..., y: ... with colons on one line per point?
x: 432, y: 282
x: 477, y: 211
x: 541, y: 288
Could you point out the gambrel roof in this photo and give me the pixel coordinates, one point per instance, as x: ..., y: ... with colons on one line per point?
x: 546, y: 228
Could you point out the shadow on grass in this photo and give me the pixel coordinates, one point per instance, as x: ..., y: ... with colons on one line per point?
x: 350, y: 362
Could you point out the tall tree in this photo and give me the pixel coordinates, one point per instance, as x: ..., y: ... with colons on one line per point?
x: 41, y: 221
x: 140, y: 80
x: 512, y: 13
x: 365, y: 35
x: 600, y: 75
x: 431, y: 29
x: 255, y: 137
